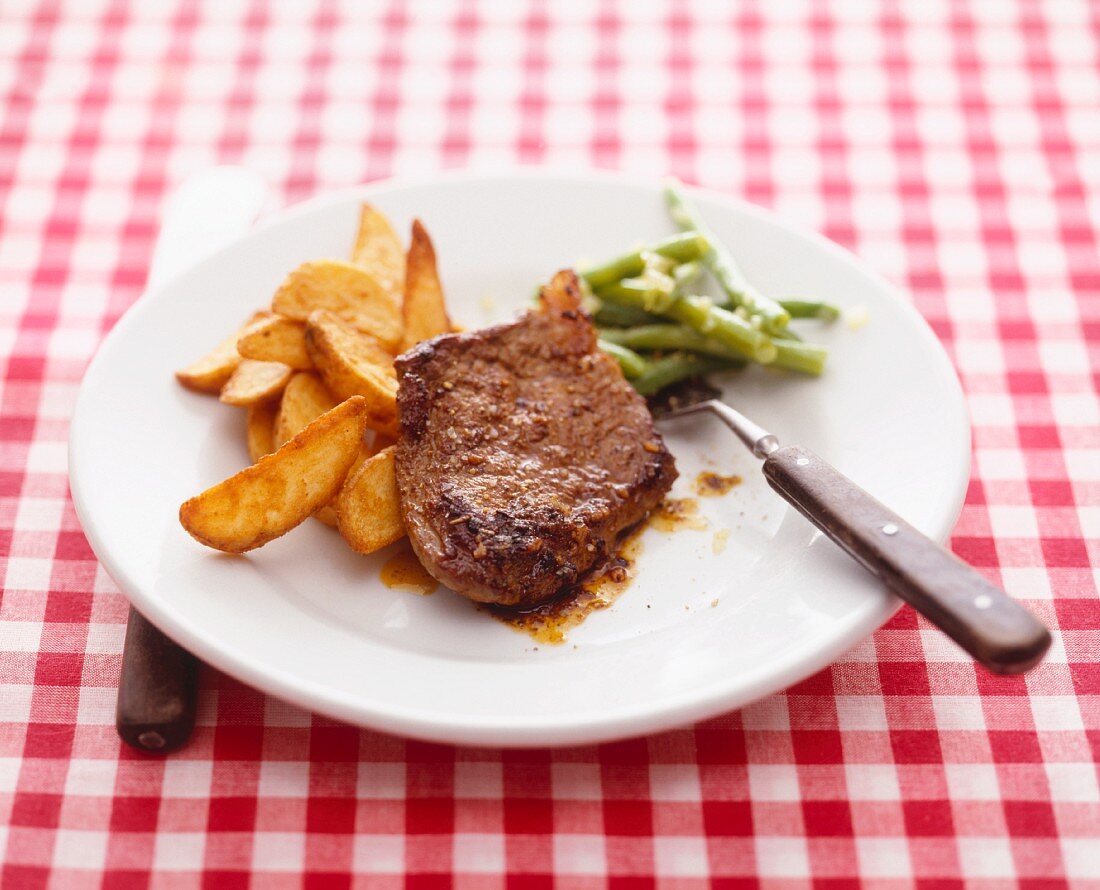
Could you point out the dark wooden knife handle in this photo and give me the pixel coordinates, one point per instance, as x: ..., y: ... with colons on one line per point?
x: 157, y: 689
x: 996, y: 630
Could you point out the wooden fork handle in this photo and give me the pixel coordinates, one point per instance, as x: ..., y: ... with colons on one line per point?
x: 992, y: 627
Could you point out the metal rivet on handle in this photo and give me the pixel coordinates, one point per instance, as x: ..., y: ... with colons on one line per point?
x: 889, y: 529
x: 152, y: 740
x: 983, y: 601
x: 802, y: 461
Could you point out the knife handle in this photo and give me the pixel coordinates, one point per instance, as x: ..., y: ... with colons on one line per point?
x: 157, y: 689
x: 996, y: 630
x: 158, y: 684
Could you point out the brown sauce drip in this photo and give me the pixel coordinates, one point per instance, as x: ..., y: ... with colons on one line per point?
x: 403, y: 571
x: 673, y: 514
x: 712, y: 485
x: 549, y: 622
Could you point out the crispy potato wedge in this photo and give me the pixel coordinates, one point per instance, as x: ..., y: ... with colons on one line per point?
x: 378, y: 250
x: 304, y: 400
x: 276, y: 339
x: 261, y: 429
x: 354, y: 363
x: 271, y: 497
x: 368, y: 511
x: 423, y: 311
x: 327, y: 514
x: 254, y: 382
x: 346, y: 289
x: 210, y: 372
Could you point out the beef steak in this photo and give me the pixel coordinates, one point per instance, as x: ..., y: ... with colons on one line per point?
x: 524, y: 453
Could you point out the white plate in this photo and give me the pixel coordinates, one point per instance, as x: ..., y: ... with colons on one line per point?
x: 308, y: 620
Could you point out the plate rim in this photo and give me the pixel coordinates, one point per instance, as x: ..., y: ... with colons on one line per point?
x: 715, y: 698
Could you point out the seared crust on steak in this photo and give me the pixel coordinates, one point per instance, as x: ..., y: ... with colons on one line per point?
x: 524, y: 453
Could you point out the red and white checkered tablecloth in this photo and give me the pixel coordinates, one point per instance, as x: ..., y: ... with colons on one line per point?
x: 954, y: 145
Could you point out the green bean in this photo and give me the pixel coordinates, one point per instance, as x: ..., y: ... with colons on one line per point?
x: 792, y: 355
x: 637, y: 293
x: 805, y: 357
x: 646, y: 303
x: 722, y: 265
x: 632, y: 364
x: 683, y: 247
x: 679, y: 248
x: 608, y: 314
x: 696, y: 312
x: 673, y: 368
x: 727, y: 327
x: 685, y: 275
x: 811, y: 309
x: 669, y: 338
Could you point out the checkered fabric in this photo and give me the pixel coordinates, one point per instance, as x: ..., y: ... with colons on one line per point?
x: 953, y: 145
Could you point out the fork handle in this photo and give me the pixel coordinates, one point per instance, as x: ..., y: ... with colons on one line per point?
x: 996, y: 630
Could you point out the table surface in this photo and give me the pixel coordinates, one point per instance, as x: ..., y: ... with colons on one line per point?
x: 954, y: 146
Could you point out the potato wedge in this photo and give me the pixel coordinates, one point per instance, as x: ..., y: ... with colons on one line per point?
x: 304, y: 400
x: 378, y: 250
x: 368, y: 511
x: 327, y: 514
x: 210, y: 372
x: 276, y: 339
x: 423, y: 311
x: 353, y: 363
x: 268, y: 499
x: 347, y: 290
x: 261, y: 429
x: 254, y: 382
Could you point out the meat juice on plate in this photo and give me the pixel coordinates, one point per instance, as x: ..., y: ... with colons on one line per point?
x: 549, y: 622
x: 709, y: 485
x: 403, y: 571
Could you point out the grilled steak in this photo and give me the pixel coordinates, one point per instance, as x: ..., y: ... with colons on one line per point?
x: 524, y: 454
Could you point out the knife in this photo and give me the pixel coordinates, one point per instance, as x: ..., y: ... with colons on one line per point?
x: 158, y: 682
x: 993, y: 628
